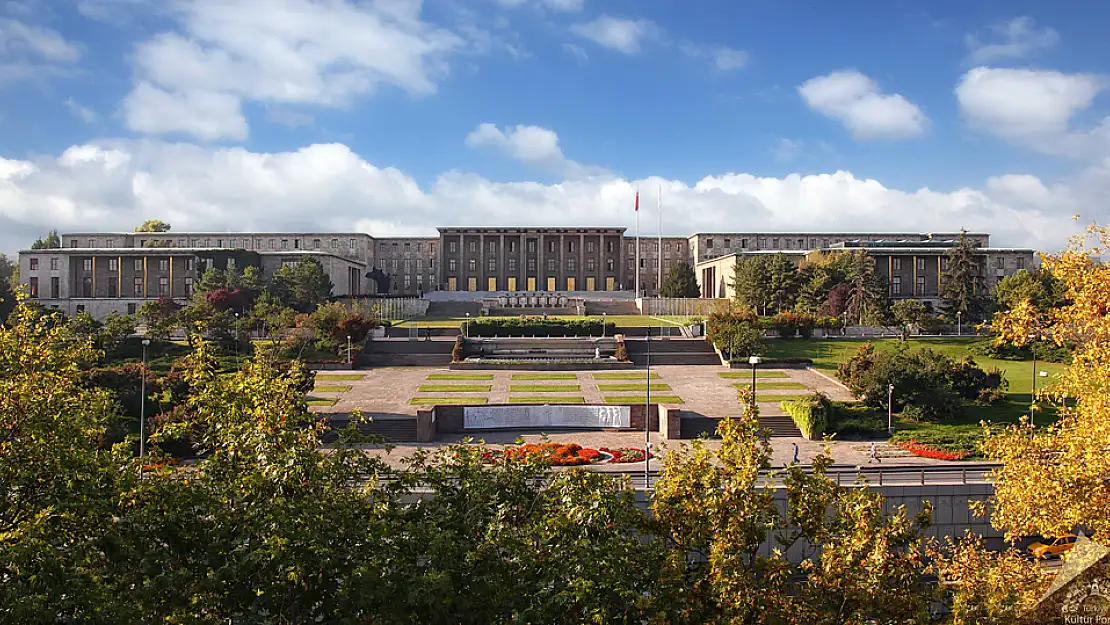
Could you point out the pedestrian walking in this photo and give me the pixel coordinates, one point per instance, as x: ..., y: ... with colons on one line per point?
x: 874, y: 454
x: 795, y: 460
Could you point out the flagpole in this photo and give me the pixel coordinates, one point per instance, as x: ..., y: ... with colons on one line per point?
x: 637, y: 268
x: 659, y: 284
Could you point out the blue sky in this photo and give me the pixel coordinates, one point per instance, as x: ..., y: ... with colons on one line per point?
x: 392, y: 116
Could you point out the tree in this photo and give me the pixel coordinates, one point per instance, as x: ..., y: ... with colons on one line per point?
x: 751, y: 283
x: 51, y: 241
x: 153, y: 225
x: 962, y: 283
x: 301, y: 286
x: 1053, y: 477
x: 984, y: 586
x: 866, y: 295
x: 1039, y: 287
x: 160, y: 317
x: 9, y: 282
x: 737, y: 333
x: 783, y: 282
x: 681, y: 281
x: 909, y: 315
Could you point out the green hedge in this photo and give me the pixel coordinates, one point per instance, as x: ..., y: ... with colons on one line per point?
x: 811, y: 415
x: 540, y: 327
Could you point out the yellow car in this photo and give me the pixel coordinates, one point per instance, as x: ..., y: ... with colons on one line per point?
x: 1053, y: 548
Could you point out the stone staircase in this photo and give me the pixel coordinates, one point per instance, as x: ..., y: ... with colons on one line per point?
x: 453, y: 308
x: 612, y: 307
x: 672, y: 351
x: 694, y: 426
x: 405, y: 353
x: 780, y: 425
x: 392, y: 430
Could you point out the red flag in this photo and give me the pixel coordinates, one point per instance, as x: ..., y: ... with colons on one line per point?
x: 637, y: 201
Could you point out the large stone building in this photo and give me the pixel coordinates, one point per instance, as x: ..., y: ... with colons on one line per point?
x: 101, y: 272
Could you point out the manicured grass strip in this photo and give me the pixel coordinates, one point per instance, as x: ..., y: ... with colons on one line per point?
x: 446, y: 401
x: 546, y: 399
x: 321, y: 401
x: 761, y: 398
x: 544, y: 388
x: 544, y: 376
x: 773, y: 386
x: 459, y: 376
x: 331, y: 388
x: 616, y: 388
x: 339, y: 377
x: 629, y: 375
x: 729, y: 375
x: 454, y: 388
x: 641, y: 399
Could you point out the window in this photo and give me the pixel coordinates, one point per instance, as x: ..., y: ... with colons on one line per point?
x: 92, y: 242
x: 493, y: 246
x: 33, y: 284
x: 452, y: 246
x: 452, y: 265
x: 532, y: 246
x: 774, y: 244
x: 491, y: 265
x: 315, y: 244
x: 512, y: 245
x: 231, y: 243
x: 512, y: 265
x: 472, y: 265
x: 728, y: 242
x: 743, y: 244
x: 921, y: 264
x: 896, y: 285
x: 420, y: 264
x: 762, y: 242
x: 188, y: 287
x: 896, y: 264
x: 80, y: 308
x: 709, y: 244
x: 110, y: 243
x: 131, y: 309
x: 408, y: 265
x: 473, y: 247
x: 801, y: 243
x: 285, y: 244
x: 208, y: 243
x: 113, y: 264
x: 188, y: 264
x: 920, y: 285
x: 138, y: 264
x: 531, y: 265
x: 54, y: 264
x: 589, y: 246
x: 86, y: 287
x: 163, y: 287
x: 787, y: 242
x: 609, y: 246
x: 393, y: 264
x: 571, y: 266
x: 138, y: 287
x: 1020, y: 263
x: 34, y: 264
x: 219, y: 242
x: 944, y: 263
x: 551, y: 246
x: 609, y: 264
x: 352, y: 244
x: 631, y: 249
x: 56, y: 287
x: 1000, y: 262
x: 273, y: 244
x: 591, y: 264
x: 570, y: 246
x: 163, y: 264
x: 113, y: 288
x: 86, y: 264
x: 643, y: 262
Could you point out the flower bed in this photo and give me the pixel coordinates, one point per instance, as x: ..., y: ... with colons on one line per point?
x: 622, y: 455
x: 925, y: 451
x: 558, y: 454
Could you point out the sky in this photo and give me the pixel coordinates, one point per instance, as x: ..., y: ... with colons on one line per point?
x: 397, y: 116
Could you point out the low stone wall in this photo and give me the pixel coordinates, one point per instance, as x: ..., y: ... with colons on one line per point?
x: 449, y: 419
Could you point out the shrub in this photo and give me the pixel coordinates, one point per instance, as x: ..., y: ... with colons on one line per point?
x: 789, y: 324
x: 738, y: 334
x: 811, y: 415
x: 1047, y: 352
x: 849, y: 420
x: 534, y: 326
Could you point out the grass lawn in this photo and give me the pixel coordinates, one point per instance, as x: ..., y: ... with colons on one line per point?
x: 747, y: 375
x: 616, y: 388
x: 332, y: 388
x: 459, y: 376
x: 544, y: 376
x: 339, y: 377
x: 760, y: 397
x: 454, y: 388
x: 544, y: 388
x: 631, y: 375
x: 625, y: 321
x: 546, y: 399
x: 446, y: 401
x: 773, y: 386
x: 321, y: 401
x: 827, y: 353
x: 642, y: 399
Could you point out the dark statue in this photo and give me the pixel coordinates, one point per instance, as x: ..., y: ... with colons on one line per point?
x: 381, y: 280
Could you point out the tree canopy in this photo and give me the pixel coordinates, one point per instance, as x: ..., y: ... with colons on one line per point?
x: 301, y: 286
x: 680, y: 281
x: 50, y: 241
x: 153, y: 225
x: 962, y: 284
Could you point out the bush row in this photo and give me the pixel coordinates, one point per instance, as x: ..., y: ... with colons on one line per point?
x: 540, y: 327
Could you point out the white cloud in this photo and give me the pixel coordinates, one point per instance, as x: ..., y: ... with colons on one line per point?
x: 1032, y: 107
x: 86, y: 114
x: 563, y: 6
x: 1015, y: 39
x: 786, y: 150
x: 862, y: 107
x: 723, y: 58
x: 576, y: 52
x: 30, y: 52
x: 531, y: 145
x: 116, y: 185
x: 281, y: 51
x: 622, y: 35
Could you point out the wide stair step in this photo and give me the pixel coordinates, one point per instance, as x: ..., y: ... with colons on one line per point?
x: 392, y: 430
x: 453, y: 309
x: 780, y: 426
x: 612, y: 307
x: 672, y: 352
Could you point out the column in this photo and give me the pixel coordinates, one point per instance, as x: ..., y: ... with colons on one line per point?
x: 483, y: 283
x: 146, y: 289
x: 119, y: 276
x: 171, y: 277
x: 93, y: 277
x: 915, y: 293
x: 541, y: 268
x: 580, y: 279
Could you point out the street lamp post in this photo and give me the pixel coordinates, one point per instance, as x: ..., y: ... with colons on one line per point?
x: 754, y: 362
x: 890, y: 409
x: 348, y: 349
x: 1033, y: 395
x: 237, y: 339
x: 959, y: 323
x: 142, y: 411
x: 647, y: 417
x: 466, y: 328
x: 603, y: 318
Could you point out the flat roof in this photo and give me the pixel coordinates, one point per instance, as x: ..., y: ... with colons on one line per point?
x: 178, y: 251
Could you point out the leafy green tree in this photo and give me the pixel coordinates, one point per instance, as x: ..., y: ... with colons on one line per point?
x: 818, y: 277
x: 49, y: 242
x: 1039, y: 287
x: 153, y: 225
x: 751, y: 283
x: 9, y: 282
x: 866, y: 294
x: 301, y: 286
x: 909, y: 315
x: 681, y: 281
x: 962, y: 285
x: 160, y: 318
x: 783, y: 282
